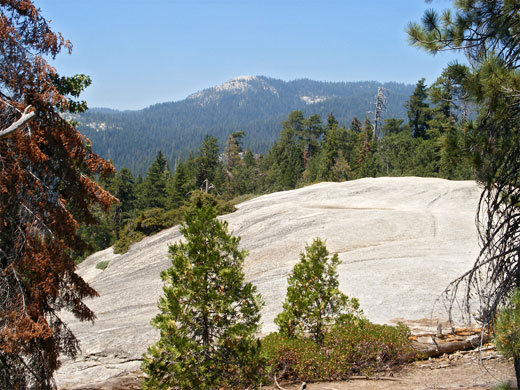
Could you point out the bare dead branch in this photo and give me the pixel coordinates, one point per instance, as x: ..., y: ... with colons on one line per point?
x: 277, y: 385
x: 26, y: 116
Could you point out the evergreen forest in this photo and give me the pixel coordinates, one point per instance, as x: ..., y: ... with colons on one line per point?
x: 433, y: 140
x: 255, y: 105
x: 60, y: 201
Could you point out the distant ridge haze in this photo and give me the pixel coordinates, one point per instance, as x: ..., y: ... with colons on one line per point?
x: 254, y: 104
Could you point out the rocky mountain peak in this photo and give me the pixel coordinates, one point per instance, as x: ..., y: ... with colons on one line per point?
x: 237, y: 86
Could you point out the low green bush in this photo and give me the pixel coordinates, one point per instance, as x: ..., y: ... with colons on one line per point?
x: 352, y: 347
x: 148, y: 222
x: 152, y: 221
x: 357, y: 346
x: 199, y: 199
x: 102, y: 265
x: 292, y: 358
x: 506, y: 385
x: 127, y: 238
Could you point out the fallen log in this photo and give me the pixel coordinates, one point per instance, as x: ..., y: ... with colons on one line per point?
x: 439, y: 348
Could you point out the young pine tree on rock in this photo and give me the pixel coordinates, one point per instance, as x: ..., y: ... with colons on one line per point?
x: 208, y: 316
x: 313, y: 301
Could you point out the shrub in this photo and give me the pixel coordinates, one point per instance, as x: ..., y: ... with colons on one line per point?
x: 102, y: 265
x: 148, y: 222
x: 292, y: 358
x: 154, y: 220
x: 357, y: 346
x: 353, y: 346
x: 127, y: 238
x: 313, y: 301
x: 506, y: 385
x: 200, y: 199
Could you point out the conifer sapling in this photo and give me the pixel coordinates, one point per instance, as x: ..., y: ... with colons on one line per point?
x: 208, y: 315
x: 313, y: 301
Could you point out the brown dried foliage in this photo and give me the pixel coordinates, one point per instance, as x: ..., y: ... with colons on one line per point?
x: 45, y: 192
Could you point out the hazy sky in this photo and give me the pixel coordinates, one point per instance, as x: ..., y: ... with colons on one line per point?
x: 141, y: 52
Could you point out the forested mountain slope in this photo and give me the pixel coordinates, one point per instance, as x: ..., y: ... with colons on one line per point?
x: 256, y: 105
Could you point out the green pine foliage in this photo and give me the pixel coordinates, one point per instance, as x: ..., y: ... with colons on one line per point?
x: 154, y: 220
x: 154, y: 186
x: 419, y: 112
x: 234, y: 163
x: 334, y: 143
x: 307, y: 151
x: 207, y: 163
x: 133, y: 138
x: 323, y: 334
x: 314, y: 302
x: 177, y: 187
x: 96, y: 237
x: 507, y: 327
x: 208, y: 315
x: 487, y: 32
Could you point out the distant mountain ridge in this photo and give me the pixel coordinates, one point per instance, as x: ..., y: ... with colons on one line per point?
x: 255, y: 104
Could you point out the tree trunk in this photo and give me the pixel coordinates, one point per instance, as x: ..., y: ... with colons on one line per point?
x: 516, y: 361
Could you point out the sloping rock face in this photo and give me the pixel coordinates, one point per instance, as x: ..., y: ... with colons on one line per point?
x: 401, y: 241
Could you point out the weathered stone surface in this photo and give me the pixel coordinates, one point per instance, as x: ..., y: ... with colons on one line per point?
x: 401, y: 240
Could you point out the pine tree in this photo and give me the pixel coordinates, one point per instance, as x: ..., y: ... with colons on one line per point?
x: 154, y: 186
x: 207, y: 161
x: 289, y: 154
x: 248, y: 174
x: 419, y: 110
x: 393, y: 126
x: 312, y: 134
x: 123, y: 187
x: 177, y: 187
x: 208, y: 315
x: 46, y: 192
x: 233, y: 162
x: 286, y: 157
x: 487, y: 32
x: 356, y: 125
x: 333, y: 148
x: 314, y: 301
x: 365, y: 149
x: 507, y: 327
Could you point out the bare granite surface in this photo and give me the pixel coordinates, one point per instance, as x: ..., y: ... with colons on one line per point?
x: 401, y: 241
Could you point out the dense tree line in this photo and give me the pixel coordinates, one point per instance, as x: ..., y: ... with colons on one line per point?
x: 131, y: 139
x: 434, y: 141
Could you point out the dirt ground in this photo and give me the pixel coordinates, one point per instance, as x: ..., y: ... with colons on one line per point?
x: 462, y: 370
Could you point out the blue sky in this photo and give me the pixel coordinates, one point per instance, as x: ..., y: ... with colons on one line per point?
x: 141, y: 52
